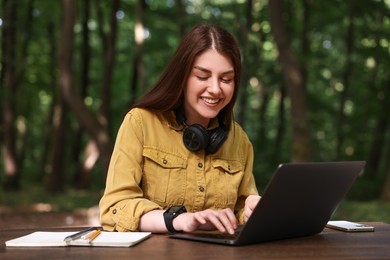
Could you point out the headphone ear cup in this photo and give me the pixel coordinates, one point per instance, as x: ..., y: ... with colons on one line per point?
x: 217, y: 138
x: 195, y: 138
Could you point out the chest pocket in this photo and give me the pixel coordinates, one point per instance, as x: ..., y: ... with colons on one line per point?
x: 227, y: 175
x: 164, y: 176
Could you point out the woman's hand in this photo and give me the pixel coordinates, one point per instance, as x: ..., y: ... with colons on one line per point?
x: 223, y: 220
x: 250, y: 204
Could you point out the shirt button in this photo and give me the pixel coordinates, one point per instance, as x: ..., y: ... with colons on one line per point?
x: 165, y: 161
x: 201, y: 188
x: 200, y: 165
x: 114, y: 211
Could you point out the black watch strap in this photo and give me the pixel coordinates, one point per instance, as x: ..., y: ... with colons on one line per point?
x: 170, y: 214
x: 169, y: 224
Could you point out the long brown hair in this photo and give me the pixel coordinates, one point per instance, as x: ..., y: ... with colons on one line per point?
x: 167, y: 93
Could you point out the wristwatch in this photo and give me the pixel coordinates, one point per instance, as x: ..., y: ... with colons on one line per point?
x: 170, y: 214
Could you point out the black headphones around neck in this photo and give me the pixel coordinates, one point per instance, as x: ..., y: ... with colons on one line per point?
x: 196, y: 137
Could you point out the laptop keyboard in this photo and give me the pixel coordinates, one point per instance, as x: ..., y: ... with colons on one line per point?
x: 219, y: 235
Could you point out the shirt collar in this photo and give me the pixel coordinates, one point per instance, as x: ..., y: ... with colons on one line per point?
x: 172, y: 123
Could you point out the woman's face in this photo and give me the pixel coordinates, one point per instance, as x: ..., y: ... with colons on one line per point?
x: 210, y: 87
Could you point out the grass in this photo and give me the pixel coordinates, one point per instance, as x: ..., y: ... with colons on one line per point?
x: 71, y: 200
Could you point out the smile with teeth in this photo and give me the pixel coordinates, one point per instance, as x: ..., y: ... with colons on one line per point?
x: 210, y: 100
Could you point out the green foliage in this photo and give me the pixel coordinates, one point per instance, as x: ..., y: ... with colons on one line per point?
x: 324, y: 59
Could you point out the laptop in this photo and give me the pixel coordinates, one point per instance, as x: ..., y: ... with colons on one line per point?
x: 298, y: 201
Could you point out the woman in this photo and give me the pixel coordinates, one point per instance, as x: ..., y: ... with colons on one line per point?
x: 180, y: 162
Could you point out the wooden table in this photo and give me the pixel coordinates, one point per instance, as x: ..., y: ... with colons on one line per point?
x: 329, y: 244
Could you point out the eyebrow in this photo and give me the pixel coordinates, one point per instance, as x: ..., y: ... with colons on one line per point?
x: 208, y: 71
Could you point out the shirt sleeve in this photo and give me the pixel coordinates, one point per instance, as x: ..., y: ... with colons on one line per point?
x: 123, y: 203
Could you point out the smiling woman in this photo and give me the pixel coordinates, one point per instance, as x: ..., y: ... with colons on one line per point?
x: 209, y: 89
x: 180, y: 162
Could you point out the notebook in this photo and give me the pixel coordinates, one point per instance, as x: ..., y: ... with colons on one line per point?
x: 298, y: 201
x: 55, y: 239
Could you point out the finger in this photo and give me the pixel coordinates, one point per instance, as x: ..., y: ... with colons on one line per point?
x: 211, y: 217
x: 230, y: 221
x: 250, y: 204
x: 251, y: 201
x: 198, y: 216
x: 232, y: 218
x: 247, y: 213
x: 215, y: 219
x: 224, y: 220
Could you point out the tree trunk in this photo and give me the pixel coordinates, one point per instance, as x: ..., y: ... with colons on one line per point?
x: 26, y: 106
x: 386, y: 103
x: 109, y: 57
x: 91, y: 152
x: 301, y: 143
x: 346, y: 79
x: 137, y: 81
x: 386, y: 187
x: 181, y: 17
x: 55, y: 172
x: 379, y: 138
x: 281, y: 126
x: 9, y: 81
x: 85, y: 117
x: 55, y: 169
x: 100, y: 16
x: 81, y: 177
x: 264, y: 94
x: 245, y: 29
x: 47, y: 160
x: 305, y: 42
x: 377, y: 149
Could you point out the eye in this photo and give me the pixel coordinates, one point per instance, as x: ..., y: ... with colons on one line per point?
x: 226, y: 80
x: 202, y: 78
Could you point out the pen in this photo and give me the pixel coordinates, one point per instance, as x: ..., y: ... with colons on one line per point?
x: 78, y: 234
x: 85, y: 236
x: 91, y: 236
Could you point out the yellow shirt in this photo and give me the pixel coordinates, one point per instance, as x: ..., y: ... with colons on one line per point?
x: 151, y: 169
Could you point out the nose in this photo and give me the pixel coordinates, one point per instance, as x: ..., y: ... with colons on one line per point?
x: 214, y: 87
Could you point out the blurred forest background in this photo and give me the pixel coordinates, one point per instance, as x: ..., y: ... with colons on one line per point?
x: 315, y: 87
